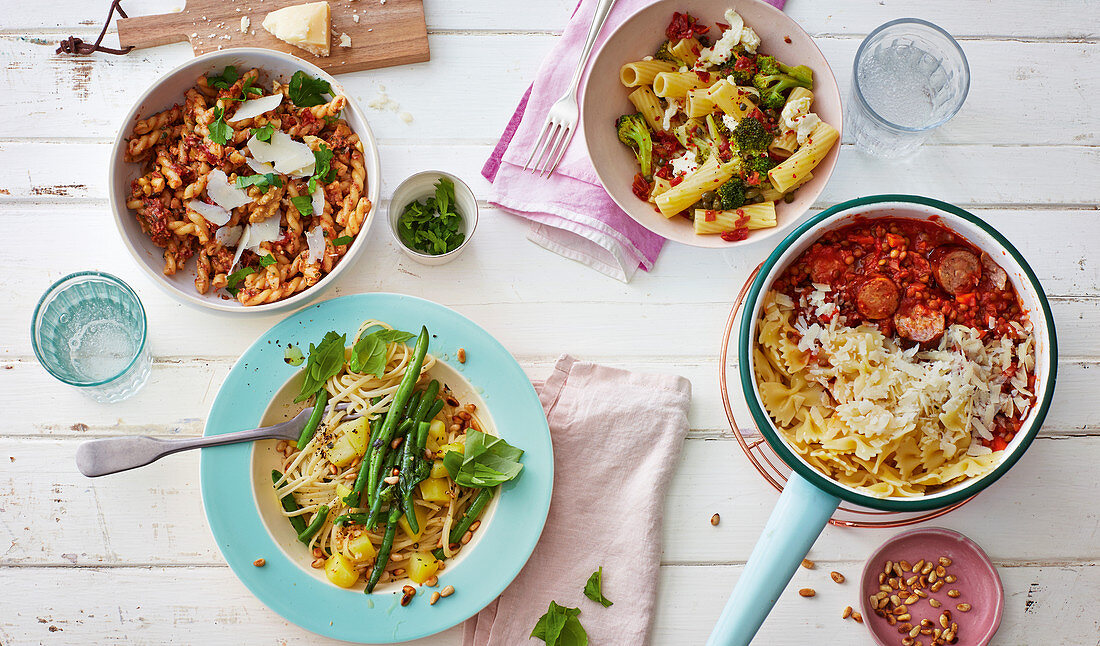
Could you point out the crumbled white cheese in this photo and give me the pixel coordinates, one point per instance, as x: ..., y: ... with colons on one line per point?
x: 749, y: 40
x: 674, y: 106
x: 684, y: 163
x: 721, y: 51
x: 245, y: 22
x: 345, y: 40
x: 355, y: 17
x: 796, y: 116
x: 405, y: 116
x: 730, y: 122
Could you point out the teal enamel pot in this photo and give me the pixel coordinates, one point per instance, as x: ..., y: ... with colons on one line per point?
x: 810, y: 497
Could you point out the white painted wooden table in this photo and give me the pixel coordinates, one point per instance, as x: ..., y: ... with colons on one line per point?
x: 129, y: 558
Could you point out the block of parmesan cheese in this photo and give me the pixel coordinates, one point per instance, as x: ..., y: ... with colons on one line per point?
x: 306, y: 26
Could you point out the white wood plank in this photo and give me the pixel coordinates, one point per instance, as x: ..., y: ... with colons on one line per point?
x: 1061, y: 19
x: 208, y: 605
x: 154, y: 515
x: 88, y: 98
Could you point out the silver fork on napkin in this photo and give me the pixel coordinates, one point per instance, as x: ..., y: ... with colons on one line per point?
x: 561, y: 121
x: 100, y: 457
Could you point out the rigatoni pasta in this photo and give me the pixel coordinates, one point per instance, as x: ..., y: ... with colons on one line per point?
x: 723, y: 127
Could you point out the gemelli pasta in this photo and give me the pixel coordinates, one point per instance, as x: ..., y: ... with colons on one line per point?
x: 266, y: 189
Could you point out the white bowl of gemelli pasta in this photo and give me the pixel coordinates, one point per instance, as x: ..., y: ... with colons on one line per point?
x: 712, y: 122
x: 243, y: 180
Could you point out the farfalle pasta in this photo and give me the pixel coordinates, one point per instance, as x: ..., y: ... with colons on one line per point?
x: 266, y: 189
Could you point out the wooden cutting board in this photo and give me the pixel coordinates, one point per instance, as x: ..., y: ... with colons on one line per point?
x: 389, y: 32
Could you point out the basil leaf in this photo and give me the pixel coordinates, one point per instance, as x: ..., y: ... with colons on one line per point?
x: 487, y: 461
x: 593, y: 591
x: 220, y: 132
x: 222, y: 81
x: 325, y: 360
x: 264, y: 133
x: 238, y: 276
x: 305, y: 91
x: 267, y: 260
x: 304, y: 204
x: 560, y: 627
x: 342, y: 240
x: 264, y: 182
x: 369, y: 354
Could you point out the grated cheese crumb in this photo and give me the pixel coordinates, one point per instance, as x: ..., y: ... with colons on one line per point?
x: 245, y: 22
x: 345, y: 40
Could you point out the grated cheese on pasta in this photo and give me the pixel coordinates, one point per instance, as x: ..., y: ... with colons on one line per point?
x: 887, y: 420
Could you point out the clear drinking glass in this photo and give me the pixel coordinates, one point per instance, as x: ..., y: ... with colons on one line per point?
x: 89, y: 331
x: 909, y: 78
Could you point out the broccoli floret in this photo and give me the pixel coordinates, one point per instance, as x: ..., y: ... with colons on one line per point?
x: 774, y: 87
x: 751, y: 137
x: 739, y: 69
x: 634, y: 133
x: 732, y: 194
x: 664, y: 53
x: 761, y: 164
x: 767, y: 65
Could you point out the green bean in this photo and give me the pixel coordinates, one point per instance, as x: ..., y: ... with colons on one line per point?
x: 384, y: 549
x: 314, y: 525
x: 397, y: 406
x: 424, y: 466
x: 314, y: 418
x: 290, y: 505
x: 410, y: 473
x: 426, y: 402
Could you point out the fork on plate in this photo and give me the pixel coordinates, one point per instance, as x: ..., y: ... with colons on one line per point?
x: 111, y: 455
x: 561, y: 120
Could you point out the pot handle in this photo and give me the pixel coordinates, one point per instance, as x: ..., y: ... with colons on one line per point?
x: 795, y: 523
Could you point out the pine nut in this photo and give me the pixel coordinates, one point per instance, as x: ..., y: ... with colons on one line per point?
x: 318, y: 552
x: 881, y: 577
x: 963, y: 607
x: 409, y: 593
x: 917, y: 566
x: 911, y: 599
x: 920, y: 593
x: 903, y: 617
x: 837, y: 576
x: 954, y: 594
x: 905, y: 565
x: 399, y: 571
x: 907, y: 641
x: 432, y: 581
x: 462, y: 355
x: 941, y: 570
x: 475, y: 525
x: 715, y: 519
x: 944, y: 622
x: 470, y: 407
x: 447, y: 591
x: 897, y: 570
x: 259, y: 562
x: 951, y: 578
x: 915, y: 631
x: 350, y: 475
x: 396, y: 442
x: 391, y: 480
x: 911, y: 580
x: 435, y: 597
x: 808, y: 564
x: 934, y: 603
x: 332, y: 469
x: 847, y: 612
x: 932, y: 576
x: 467, y: 537
x: 906, y: 627
x: 318, y: 563
x: 807, y: 592
x: 397, y: 557
x: 281, y: 446
x: 889, y: 567
x: 944, y: 561
x: 858, y: 617
x: 891, y: 619
x: 937, y: 585
x: 395, y: 471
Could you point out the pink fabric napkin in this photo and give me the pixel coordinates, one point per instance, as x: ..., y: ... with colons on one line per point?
x: 570, y: 212
x: 615, y: 433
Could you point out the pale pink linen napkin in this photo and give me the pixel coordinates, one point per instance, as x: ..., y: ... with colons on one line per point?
x: 617, y: 438
x: 571, y: 214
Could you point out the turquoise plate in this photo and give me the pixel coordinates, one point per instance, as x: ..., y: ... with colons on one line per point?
x: 238, y: 505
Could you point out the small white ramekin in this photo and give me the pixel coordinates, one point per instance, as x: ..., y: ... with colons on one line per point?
x: 422, y: 185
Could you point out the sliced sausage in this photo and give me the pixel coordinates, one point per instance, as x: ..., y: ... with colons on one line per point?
x: 877, y: 297
x: 826, y: 266
x: 997, y: 276
x: 918, y: 322
x: 957, y: 270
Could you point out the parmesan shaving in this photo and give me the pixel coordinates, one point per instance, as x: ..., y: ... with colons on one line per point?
x: 212, y: 212
x: 253, y: 108
x: 288, y: 155
x: 224, y: 195
x: 266, y: 230
x: 317, y: 199
x: 229, y: 236
x: 315, y: 240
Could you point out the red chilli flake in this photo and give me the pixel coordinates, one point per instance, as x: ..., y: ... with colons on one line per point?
x: 722, y: 26
x: 710, y: 216
x: 640, y: 187
x: 703, y: 76
x: 735, y: 235
x: 753, y: 179
x: 745, y: 64
x: 675, y: 180
x: 684, y: 25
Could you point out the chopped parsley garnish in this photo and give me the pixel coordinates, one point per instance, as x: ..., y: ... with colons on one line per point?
x: 332, y: 118
x: 304, y: 204
x: 323, y: 170
x: 224, y: 80
x: 263, y: 182
x: 342, y: 240
x: 220, y: 132
x: 267, y: 260
x: 236, y: 277
x: 264, y: 133
x: 433, y: 226
x: 306, y: 91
